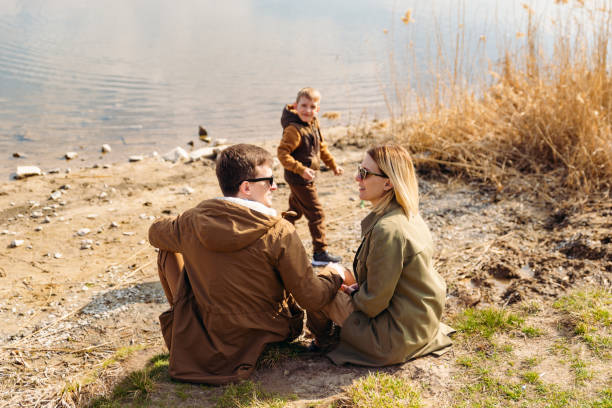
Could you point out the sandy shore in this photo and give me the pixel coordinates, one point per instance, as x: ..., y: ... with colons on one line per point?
x: 81, y: 283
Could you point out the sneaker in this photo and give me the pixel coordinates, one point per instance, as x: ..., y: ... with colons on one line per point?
x: 322, y: 258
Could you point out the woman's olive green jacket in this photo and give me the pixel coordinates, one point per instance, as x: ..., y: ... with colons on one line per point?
x: 400, y: 297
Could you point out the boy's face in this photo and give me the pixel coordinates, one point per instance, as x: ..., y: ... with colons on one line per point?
x: 307, y: 109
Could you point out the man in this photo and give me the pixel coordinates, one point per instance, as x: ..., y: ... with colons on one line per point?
x: 231, y: 269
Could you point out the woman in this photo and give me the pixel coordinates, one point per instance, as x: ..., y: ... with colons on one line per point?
x: 393, y: 312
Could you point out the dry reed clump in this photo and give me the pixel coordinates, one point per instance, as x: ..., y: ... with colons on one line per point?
x: 547, y: 119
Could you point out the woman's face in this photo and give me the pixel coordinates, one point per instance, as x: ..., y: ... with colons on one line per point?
x: 372, y: 187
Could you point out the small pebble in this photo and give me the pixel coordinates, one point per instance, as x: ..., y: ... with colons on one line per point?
x: 128, y: 233
x: 92, y: 216
x: 38, y: 229
x: 106, y: 148
x: 16, y: 242
x: 103, y: 195
x: 136, y: 158
x: 187, y: 190
x: 141, y: 242
x: 36, y: 214
x: 57, y: 255
x: 54, y: 171
x: 70, y: 155
x: 83, y: 231
x: 114, y: 225
x: 47, y: 220
x: 65, y: 187
x: 56, y: 195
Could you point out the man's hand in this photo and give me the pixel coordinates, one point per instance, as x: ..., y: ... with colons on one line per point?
x: 308, y: 174
x: 338, y: 171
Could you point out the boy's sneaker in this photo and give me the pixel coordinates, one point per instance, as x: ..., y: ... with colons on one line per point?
x: 322, y: 258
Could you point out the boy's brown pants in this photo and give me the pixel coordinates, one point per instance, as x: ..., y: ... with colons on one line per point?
x: 304, y: 200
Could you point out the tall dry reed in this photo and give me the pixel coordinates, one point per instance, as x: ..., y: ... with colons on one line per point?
x: 545, y: 119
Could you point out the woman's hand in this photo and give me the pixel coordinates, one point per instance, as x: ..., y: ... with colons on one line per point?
x: 349, y: 289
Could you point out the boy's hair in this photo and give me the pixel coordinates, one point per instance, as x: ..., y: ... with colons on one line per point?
x: 237, y: 163
x: 309, y: 93
x: 396, y: 163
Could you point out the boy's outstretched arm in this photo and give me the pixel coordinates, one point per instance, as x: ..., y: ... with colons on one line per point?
x: 328, y: 159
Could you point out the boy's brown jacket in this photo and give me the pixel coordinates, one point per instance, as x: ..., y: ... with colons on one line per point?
x: 300, y: 147
x: 241, y: 268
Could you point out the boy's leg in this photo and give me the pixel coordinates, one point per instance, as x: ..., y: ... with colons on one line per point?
x: 294, y: 205
x: 308, y: 199
x: 169, y: 267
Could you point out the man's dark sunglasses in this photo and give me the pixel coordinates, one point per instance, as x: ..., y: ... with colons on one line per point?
x: 362, y: 173
x: 270, y: 180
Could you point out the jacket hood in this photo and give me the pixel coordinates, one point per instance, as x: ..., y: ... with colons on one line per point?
x: 290, y: 116
x: 223, y: 226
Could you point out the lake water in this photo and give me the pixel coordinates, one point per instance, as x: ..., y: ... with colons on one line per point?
x: 141, y: 75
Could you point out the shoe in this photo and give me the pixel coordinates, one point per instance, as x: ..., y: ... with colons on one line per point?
x: 322, y: 258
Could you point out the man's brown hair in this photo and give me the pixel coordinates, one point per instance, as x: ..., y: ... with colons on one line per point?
x: 237, y: 163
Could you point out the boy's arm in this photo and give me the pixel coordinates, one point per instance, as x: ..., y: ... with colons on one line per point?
x: 290, y: 141
x: 326, y: 156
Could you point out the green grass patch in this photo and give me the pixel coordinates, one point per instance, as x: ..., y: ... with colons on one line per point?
x: 382, y: 391
x: 486, y: 322
x: 532, y: 332
x: 587, y: 314
x: 275, y: 353
x: 249, y: 394
x: 138, y: 385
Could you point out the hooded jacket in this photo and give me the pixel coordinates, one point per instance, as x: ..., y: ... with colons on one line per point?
x: 400, y: 298
x: 300, y: 147
x: 234, y: 297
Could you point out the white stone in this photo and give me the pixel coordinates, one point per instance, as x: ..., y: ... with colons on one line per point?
x: 187, y: 190
x: 136, y: 158
x: 38, y: 229
x: 56, y: 195
x: 86, y: 243
x: 27, y: 171
x: 47, y: 220
x: 92, y: 216
x: 205, y: 152
x: 114, y: 224
x: 36, y: 214
x: 141, y: 242
x: 176, y: 154
x: 143, y: 216
x: 15, y: 243
x: 106, y: 148
x: 219, y: 142
x: 54, y: 171
x: 103, y: 195
x: 70, y: 155
x: 57, y: 255
x: 83, y: 232
x: 128, y: 233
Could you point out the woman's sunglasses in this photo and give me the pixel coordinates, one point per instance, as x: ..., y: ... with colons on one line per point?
x: 363, y: 173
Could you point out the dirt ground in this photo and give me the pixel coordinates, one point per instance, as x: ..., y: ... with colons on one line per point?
x: 83, y: 283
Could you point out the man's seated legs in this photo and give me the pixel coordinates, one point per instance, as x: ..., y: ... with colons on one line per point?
x: 169, y: 266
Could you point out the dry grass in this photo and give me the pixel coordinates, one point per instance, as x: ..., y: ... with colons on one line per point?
x: 546, y: 116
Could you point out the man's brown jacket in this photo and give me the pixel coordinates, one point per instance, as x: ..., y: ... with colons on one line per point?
x: 234, y: 297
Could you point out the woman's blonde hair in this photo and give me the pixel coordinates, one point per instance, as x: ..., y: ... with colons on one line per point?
x: 395, y: 162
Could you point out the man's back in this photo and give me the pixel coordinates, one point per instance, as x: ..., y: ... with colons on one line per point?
x: 233, y: 300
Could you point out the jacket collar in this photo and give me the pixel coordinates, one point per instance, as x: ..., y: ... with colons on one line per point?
x: 253, y: 205
x: 372, y: 218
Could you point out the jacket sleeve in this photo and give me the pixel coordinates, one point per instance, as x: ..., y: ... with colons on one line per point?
x: 310, y: 290
x: 166, y: 234
x: 326, y: 156
x: 290, y: 141
x: 384, y: 263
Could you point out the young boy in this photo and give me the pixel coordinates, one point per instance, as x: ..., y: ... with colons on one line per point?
x: 299, y: 152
